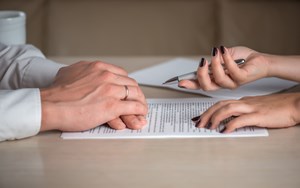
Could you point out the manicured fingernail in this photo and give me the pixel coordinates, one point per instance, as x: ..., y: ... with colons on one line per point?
x: 214, y: 51
x: 182, y: 87
x: 196, y: 119
x: 222, y: 49
x: 197, y: 123
x: 223, y: 130
x: 201, y: 62
x: 208, y: 126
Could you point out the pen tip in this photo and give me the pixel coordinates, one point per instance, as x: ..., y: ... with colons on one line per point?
x: 175, y: 79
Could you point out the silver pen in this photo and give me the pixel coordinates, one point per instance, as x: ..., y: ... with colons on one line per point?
x: 193, y: 75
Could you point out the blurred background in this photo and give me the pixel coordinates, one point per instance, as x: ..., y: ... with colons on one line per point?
x: 159, y: 27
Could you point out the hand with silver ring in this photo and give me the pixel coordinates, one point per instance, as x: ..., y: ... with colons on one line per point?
x: 87, y: 89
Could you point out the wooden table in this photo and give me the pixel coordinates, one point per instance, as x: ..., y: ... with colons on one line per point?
x: 46, y: 160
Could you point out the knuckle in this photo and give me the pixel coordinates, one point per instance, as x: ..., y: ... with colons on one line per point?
x: 97, y: 65
x: 229, y: 106
x: 107, y: 75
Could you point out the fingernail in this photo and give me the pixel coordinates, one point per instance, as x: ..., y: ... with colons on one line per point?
x: 182, y: 87
x: 197, y: 123
x: 142, y: 119
x: 222, y: 49
x: 223, y: 130
x: 195, y: 119
x: 208, y: 126
x: 214, y: 51
x: 201, y: 62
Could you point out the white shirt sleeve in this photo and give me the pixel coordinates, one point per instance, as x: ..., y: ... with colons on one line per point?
x: 23, y: 69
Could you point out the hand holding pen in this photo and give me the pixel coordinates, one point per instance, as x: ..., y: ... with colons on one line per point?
x: 193, y: 75
x: 229, y: 68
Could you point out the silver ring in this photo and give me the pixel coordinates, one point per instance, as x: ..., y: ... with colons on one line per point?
x: 127, y: 92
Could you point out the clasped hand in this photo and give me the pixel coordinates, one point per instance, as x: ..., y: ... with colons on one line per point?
x: 87, y: 94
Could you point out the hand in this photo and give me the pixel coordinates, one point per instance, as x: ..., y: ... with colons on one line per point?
x: 272, y: 111
x: 87, y: 94
x: 256, y: 67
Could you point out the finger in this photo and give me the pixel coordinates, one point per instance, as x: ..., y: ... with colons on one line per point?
x: 206, y: 116
x: 231, y: 109
x: 237, y: 74
x: 220, y: 77
x: 99, y: 65
x: 134, y: 93
x: 134, y: 121
x: 111, y: 77
x: 130, y: 108
x: 189, y: 84
x: 121, y: 92
x: 204, y: 77
x: 241, y: 121
x: 117, y: 124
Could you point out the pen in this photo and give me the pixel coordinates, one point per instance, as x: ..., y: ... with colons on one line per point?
x: 193, y: 75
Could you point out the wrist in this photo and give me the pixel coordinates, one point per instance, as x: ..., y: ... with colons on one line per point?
x: 297, y: 109
x: 266, y: 60
x: 49, y: 111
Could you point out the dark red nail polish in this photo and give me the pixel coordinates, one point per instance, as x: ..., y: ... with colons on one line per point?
x: 222, y: 49
x: 214, y: 51
x: 201, y: 62
x: 208, y: 126
x: 196, y: 119
x: 223, y: 130
x: 197, y: 123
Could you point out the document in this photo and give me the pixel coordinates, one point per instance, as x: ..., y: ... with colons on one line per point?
x: 168, y: 118
x: 180, y: 66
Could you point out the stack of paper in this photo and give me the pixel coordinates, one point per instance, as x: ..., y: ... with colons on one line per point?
x: 168, y: 118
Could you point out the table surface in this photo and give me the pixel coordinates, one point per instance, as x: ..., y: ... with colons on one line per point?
x: 46, y: 160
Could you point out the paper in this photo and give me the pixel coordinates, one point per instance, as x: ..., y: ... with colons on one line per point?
x: 168, y: 118
x: 156, y: 75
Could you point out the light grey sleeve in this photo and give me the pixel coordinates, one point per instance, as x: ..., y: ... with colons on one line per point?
x: 23, y: 69
x: 20, y: 113
x: 24, y: 66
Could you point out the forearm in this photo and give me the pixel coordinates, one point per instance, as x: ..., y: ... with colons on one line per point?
x: 24, y: 66
x: 20, y: 112
x: 285, y: 67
